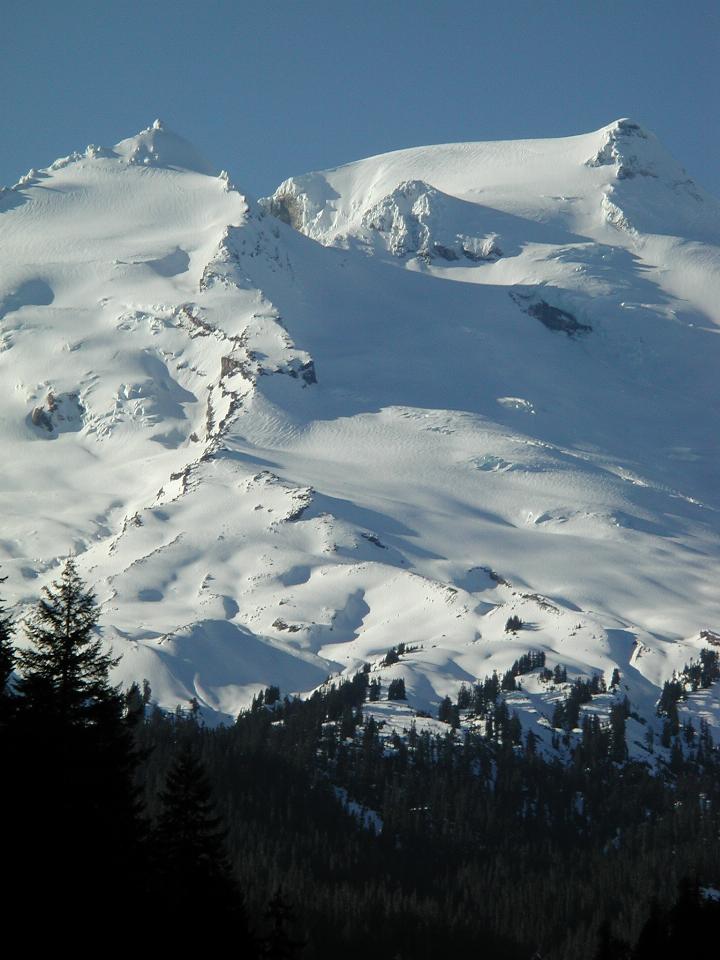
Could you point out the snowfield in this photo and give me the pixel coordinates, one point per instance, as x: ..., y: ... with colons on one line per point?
x: 398, y: 401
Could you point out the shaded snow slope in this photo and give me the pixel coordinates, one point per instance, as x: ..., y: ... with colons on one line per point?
x: 277, y: 457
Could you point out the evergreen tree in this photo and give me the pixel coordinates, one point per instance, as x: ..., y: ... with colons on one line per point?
x: 272, y: 695
x: 77, y: 813
x: 192, y: 867
x: 65, y: 671
x: 8, y: 740
x: 618, y: 747
x: 445, y: 710
x: 7, y: 662
x: 667, y: 704
x: 464, y: 699
x: 560, y: 674
x: 677, y: 760
x: 514, y: 729
x: 558, y: 717
x: 348, y: 722
x: 666, y: 735
x: 391, y: 657
x: 134, y: 704
x: 279, y: 944
x: 455, y: 717
x: 706, y: 745
x: 7, y: 651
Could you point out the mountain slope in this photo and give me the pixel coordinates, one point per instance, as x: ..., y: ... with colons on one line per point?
x: 278, y: 457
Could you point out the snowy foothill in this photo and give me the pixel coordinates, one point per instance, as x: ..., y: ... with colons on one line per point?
x: 397, y: 402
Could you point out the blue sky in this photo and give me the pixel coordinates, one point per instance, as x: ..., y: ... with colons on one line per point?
x: 276, y: 88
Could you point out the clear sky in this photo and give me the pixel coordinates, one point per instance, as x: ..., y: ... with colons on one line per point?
x: 274, y: 88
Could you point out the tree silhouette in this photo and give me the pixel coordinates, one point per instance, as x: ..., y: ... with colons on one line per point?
x: 65, y: 671
x: 75, y: 796
x: 279, y: 944
x: 7, y: 662
x: 192, y: 865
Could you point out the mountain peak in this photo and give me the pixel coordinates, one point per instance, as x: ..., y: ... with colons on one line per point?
x: 517, y: 373
x: 157, y: 146
x: 634, y: 151
x: 627, y: 127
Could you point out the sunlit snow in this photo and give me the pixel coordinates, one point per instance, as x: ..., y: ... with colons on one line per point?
x: 277, y: 452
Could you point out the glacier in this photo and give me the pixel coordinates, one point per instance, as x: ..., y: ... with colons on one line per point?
x: 398, y: 401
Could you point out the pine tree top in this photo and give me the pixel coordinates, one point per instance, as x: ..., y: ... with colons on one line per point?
x: 7, y: 651
x: 66, y: 662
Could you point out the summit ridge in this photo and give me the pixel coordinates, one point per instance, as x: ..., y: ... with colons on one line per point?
x: 282, y: 437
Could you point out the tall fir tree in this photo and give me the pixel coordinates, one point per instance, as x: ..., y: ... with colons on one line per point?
x: 279, y: 944
x: 7, y: 662
x: 192, y: 868
x: 75, y: 795
x: 65, y: 670
x: 8, y: 740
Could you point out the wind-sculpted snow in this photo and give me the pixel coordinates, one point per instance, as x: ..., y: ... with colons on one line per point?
x: 415, y: 220
x: 276, y: 458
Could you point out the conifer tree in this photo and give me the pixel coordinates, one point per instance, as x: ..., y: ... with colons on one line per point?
x: 464, y: 699
x: 7, y: 661
x: 76, y: 799
x: 192, y: 867
x: 65, y: 671
x: 8, y: 740
x: 445, y: 710
x: 278, y: 944
x: 7, y: 651
x: 618, y: 747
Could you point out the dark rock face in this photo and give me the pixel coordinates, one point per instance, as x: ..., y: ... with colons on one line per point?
x: 305, y: 371
x: 229, y: 366
x: 556, y: 319
x: 39, y: 418
x: 280, y: 207
x: 60, y: 413
x: 445, y: 252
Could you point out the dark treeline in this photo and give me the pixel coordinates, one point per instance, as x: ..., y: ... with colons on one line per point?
x: 306, y: 829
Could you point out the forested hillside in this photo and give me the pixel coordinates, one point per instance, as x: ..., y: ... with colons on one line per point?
x: 309, y: 829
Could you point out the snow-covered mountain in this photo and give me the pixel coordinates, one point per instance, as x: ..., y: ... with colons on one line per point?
x: 280, y: 440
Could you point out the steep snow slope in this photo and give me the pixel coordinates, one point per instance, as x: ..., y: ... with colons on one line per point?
x: 539, y: 211
x: 276, y: 458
